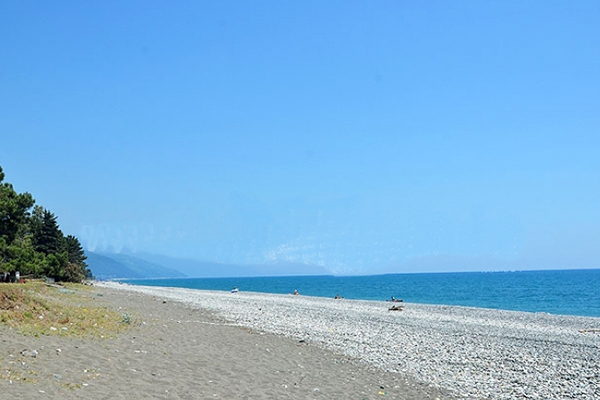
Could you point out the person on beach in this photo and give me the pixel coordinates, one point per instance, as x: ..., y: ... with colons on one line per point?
x: 296, y: 292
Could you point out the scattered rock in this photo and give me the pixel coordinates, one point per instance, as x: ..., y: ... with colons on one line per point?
x: 29, y: 353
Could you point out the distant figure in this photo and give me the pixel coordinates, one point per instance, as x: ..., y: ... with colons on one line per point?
x: 337, y: 296
x: 235, y: 289
x: 296, y: 293
x: 395, y: 300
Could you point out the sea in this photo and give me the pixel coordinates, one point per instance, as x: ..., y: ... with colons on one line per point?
x: 566, y: 292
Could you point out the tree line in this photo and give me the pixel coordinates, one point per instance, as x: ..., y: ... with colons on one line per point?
x: 32, y: 243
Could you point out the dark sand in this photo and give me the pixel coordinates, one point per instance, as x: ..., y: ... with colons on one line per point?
x: 175, y: 352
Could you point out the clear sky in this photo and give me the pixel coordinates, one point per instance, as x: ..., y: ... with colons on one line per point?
x: 363, y: 136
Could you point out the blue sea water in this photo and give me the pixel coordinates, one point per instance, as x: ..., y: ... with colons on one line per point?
x: 569, y: 292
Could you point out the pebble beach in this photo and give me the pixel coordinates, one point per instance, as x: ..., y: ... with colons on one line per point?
x: 468, y: 352
x: 193, y: 344
x: 176, y: 351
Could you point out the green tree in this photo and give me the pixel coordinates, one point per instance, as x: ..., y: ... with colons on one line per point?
x: 56, y: 264
x: 77, y: 257
x: 23, y: 257
x: 14, y: 215
x: 47, y: 236
x: 33, y: 243
x: 75, y: 251
x: 14, y: 210
x: 74, y: 273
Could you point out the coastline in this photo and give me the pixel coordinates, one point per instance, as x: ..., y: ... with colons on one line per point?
x: 193, y: 344
x: 174, y: 350
x: 472, y: 352
x: 559, y: 292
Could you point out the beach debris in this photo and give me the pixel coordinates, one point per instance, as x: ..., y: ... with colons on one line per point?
x: 395, y: 300
x: 29, y: 353
x: 53, y: 328
x: 593, y: 330
x: 126, y: 318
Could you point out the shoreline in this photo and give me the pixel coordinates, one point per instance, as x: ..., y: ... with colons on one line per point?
x: 124, y: 282
x: 472, y: 352
x: 564, y: 292
x: 172, y: 350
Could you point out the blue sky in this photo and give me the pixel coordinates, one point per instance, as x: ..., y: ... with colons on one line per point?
x: 364, y: 137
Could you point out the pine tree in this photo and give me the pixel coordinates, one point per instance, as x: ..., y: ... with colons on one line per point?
x: 47, y: 236
x: 75, y: 251
x: 33, y: 243
x: 14, y: 210
x: 77, y: 257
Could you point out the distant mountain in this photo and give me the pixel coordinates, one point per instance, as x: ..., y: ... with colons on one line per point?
x: 146, y: 268
x: 106, y: 268
x: 197, y: 269
x: 203, y: 269
x: 112, y: 266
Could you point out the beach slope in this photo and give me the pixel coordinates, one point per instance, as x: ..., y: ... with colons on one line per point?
x: 178, y: 349
x: 471, y: 352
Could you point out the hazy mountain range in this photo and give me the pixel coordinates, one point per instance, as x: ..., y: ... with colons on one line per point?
x: 141, y: 265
